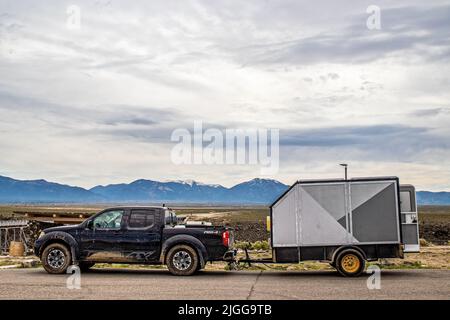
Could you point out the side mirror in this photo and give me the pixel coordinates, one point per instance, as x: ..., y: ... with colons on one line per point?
x: 90, y: 224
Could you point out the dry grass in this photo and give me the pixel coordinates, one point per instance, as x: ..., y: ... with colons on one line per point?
x: 434, y: 257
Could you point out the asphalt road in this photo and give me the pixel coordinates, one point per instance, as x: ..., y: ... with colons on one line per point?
x: 159, y: 284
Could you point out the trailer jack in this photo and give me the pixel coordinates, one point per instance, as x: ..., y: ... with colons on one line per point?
x: 248, y: 260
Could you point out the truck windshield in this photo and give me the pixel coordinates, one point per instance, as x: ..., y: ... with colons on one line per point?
x: 170, y: 217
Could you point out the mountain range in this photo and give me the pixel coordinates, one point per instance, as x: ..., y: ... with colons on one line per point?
x: 256, y: 191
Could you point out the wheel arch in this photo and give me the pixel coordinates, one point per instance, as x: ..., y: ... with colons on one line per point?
x: 348, y: 247
x: 198, y: 246
x: 62, y: 238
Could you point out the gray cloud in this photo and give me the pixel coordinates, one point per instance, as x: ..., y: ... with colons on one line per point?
x: 422, y: 32
x: 136, y: 121
x: 377, y: 141
x: 77, y: 117
x: 430, y: 112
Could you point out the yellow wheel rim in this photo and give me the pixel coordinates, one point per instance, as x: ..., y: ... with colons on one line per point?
x: 350, y: 263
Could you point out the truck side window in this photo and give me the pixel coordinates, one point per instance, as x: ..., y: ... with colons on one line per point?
x: 141, y: 219
x: 109, y: 220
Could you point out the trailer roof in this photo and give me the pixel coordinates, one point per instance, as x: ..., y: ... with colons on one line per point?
x: 331, y: 181
x: 351, y: 179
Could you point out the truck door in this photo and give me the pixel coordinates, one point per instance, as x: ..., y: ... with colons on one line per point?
x: 410, y: 219
x: 101, y: 241
x: 143, y: 235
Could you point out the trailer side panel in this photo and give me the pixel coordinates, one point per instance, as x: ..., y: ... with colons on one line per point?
x: 314, y: 219
x: 323, y: 214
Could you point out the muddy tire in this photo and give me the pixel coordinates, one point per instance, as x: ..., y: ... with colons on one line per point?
x: 182, y: 260
x: 86, y: 266
x: 350, y: 263
x: 56, y: 258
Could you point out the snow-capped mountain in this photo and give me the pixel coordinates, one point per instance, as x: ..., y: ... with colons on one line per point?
x: 253, y: 191
x: 148, y: 190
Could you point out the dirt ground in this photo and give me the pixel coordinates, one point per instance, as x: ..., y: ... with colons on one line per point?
x: 434, y: 224
x: 433, y: 257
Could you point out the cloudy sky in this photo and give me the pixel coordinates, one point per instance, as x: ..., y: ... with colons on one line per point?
x: 97, y: 105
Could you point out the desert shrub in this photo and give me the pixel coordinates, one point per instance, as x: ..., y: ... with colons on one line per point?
x: 424, y: 243
x: 242, y: 245
x: 260, y: 245
x: 257, y: 245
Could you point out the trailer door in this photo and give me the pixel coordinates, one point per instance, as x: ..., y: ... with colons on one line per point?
x: 375, y: 216
x: 410, y: 221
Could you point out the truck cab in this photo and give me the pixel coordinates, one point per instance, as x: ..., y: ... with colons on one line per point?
x: 134, y: 235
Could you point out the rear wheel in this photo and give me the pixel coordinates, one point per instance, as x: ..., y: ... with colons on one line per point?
x: 182, y: 260
x: 56, y: 258
x: 350, y: 263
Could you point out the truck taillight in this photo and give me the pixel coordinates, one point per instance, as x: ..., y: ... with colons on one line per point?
x: 226, y: 238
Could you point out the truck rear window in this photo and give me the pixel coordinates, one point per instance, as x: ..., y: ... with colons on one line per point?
x: 141, y: 219
x: 171, y: 218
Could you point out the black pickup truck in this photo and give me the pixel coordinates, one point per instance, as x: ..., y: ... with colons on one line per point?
x: 139, y: 235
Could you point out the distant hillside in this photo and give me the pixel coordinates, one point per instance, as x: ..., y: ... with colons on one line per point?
x: 256, y: 191
x: 436, y: 198
x: 12, y: 190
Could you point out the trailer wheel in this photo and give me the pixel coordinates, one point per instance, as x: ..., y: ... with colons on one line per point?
x: 56, y: 258
x: 182, y: 260
x: 350, y: 263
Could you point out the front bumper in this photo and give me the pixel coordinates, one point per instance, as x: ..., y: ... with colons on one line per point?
x: 37, y: 247
x: 36, y: 250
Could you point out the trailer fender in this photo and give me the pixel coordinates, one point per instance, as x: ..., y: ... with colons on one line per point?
x: 185, y: 239
x: 64, y: 238
x: 340, y: 249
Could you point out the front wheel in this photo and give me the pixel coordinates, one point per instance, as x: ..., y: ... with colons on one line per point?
x: 182, y: 260
x: 56, y: 258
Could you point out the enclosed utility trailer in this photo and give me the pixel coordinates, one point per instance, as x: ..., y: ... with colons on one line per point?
x: 345, y: 222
